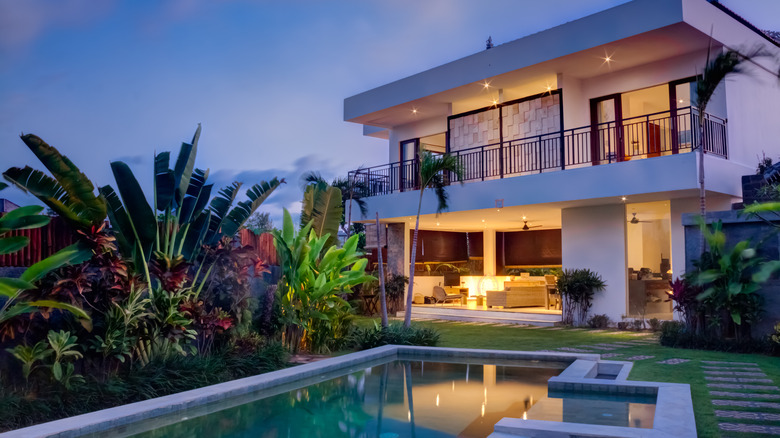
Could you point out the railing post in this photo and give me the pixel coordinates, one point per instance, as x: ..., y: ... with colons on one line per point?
x: 539, y: 152
x: 563, y: 149
x: 482, y: 161
x: 501, y: 159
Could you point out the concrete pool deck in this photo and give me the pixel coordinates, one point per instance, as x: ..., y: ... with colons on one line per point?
x: 582, y: 370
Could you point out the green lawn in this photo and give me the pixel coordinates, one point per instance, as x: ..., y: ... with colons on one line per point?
x: 507, y: 337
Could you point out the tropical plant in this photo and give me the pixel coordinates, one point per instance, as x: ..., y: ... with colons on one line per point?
x: 434, y: 172
x: 732, y: 277
x: 69, y: 193
x: 30, y: 356
x: 322, y: 207
x: 63, y: 346
x: 312, y: 283
x: 13, y: 289
x: 577, y: 288
x: 352, y: 190
x: 683, y: 294
x: 727, y: 63
x: 121, y: 332
x: 187, y: 220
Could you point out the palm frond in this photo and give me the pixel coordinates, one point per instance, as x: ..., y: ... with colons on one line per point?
x: 257, y: 194
x: 725, y: 64
x: 220, y: 207
x: 311, y: 177
x: 435, y: 171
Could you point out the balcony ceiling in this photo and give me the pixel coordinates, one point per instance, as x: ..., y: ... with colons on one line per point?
x: 667, y: 42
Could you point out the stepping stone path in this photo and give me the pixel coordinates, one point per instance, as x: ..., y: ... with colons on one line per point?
x: 673, y: 361
x: 639, y: 357
x: 754, y: 415
x: 609, y: 355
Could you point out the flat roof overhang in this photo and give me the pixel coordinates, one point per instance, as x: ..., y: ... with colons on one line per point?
x: 575, y: 49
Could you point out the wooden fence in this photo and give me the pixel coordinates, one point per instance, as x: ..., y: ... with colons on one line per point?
x: 44, y: 242
x: 263, y: 245
x: 51, y: 238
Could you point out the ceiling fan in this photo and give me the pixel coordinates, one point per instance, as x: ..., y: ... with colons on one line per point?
x: 634, y: 220
x: 526, y: 227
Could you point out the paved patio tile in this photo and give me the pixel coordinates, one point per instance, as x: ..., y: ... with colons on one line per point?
x: 744, y: 395
x: 743, y: 415
x: 639, y: 357
x: 753, y: 428
x: 747, y: 404
x: 740, y: 386
x: 613, y: 345
x: 715, y: 362
x: 737, y: 379
x: 673, y: 361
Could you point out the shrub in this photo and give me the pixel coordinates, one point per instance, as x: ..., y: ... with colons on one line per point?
x: 684, y: 295
x: 598, y: 321
x: 654, y: 324
x: 638, y: 324
x: 676, y: 334
x: 394, y: 334
x: 577, y: 287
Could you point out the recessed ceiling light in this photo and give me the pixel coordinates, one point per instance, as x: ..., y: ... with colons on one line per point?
x: 623, y: 198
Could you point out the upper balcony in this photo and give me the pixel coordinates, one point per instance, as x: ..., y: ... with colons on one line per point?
x: 635, y: 138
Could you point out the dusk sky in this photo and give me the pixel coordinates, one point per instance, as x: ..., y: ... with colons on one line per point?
x: 118, y: 80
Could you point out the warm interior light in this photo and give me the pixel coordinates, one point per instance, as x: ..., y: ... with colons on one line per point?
x: 549, y: 88
x: 437, y: 224
x: 437, y: 399
x: 414, y: 110
x: 623, y: 198
x: 486, y: 85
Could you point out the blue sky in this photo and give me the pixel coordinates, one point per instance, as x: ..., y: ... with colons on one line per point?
x: 118, y: 80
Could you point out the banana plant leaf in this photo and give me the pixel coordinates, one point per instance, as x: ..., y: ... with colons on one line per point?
x: 185, y: 164
x: 323, y: 208
x: 50, y: 192
x: 3, y: 185
x: 23, y: 218
x: 74, y: 191
x: 140, y: 214
x: 70, y: 255
x: 9, y: 245
x: 220, y: 207
x: 120, y: 222
x: 164, y: 181
x: 195, y: 236
x: 257, y: 194
x: 11, y: 286
x: 197, y: 196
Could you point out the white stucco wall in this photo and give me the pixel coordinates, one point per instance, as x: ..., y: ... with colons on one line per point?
x: 409, y: 131
x: 595, y: 238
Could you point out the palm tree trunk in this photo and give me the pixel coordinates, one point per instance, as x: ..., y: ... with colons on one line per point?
x: 382, y: 394
x: 408, y: 312
x: 409, y: 395
x: 382, y: 295
x: 349, y: 215
x: 702, y: 193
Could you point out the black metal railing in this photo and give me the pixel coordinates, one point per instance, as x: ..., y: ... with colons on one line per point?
x: 647, y: 136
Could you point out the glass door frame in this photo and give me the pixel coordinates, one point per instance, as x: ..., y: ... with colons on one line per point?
x: 595, y: 138
x: 413, y: 163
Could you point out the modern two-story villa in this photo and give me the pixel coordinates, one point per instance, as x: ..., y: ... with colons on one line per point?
x: 577, y: 145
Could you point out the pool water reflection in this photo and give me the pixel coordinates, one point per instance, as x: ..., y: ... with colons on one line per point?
x: 397, y: 399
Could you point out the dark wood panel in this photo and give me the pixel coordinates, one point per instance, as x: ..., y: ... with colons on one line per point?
x: 529, y: 248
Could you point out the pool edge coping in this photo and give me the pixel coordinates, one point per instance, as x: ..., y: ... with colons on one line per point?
x: 105, y: 419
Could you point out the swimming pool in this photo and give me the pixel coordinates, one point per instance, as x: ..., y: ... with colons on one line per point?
x: 398, y: 391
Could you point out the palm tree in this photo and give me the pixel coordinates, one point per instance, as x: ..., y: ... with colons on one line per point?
x: 725, y: 64
x: 351, y: 190
x: 433, y: 172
